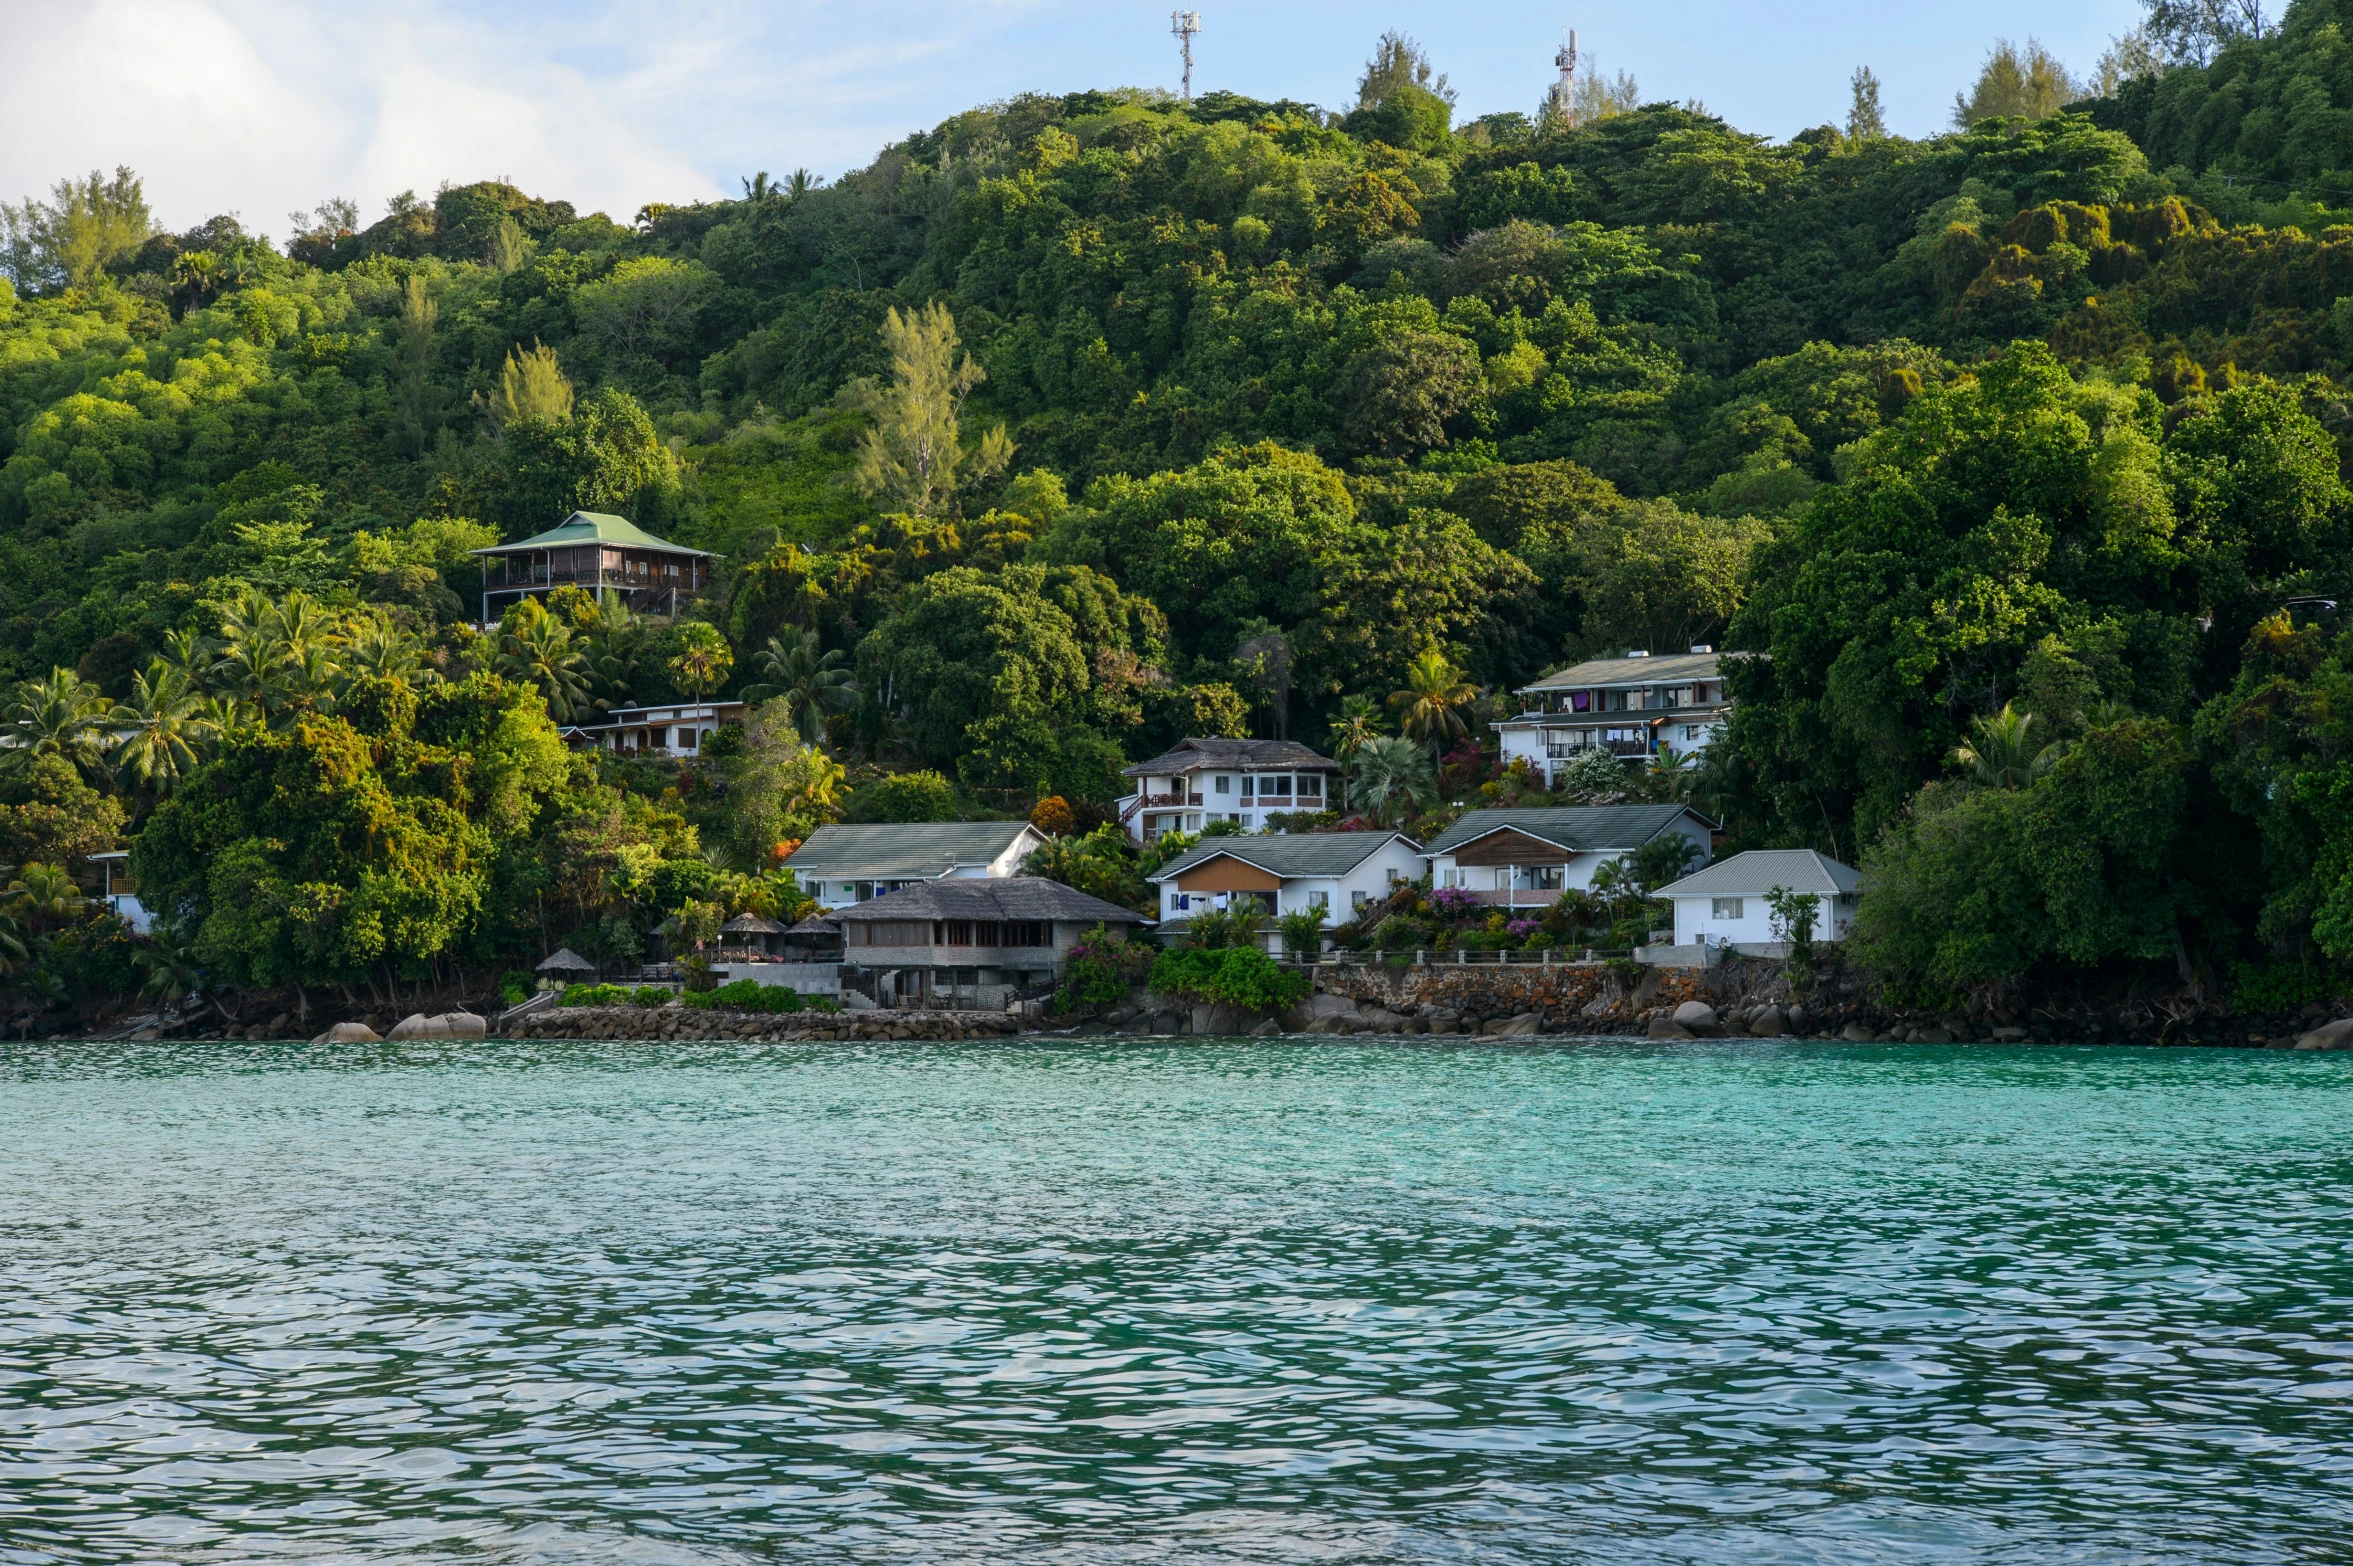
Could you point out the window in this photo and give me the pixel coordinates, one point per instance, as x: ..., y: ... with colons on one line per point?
x: 1223, y: 785
x: 890, y: 932
x: 1726, y: 908
x: 1311, y: 786
x: 1691, y: 731
x: 1321, y: 902
x: 1580, y: 701
x: 1249, y: 787
x: 1357, y: 900
x: 1274, y: 788
x: 687, y: 738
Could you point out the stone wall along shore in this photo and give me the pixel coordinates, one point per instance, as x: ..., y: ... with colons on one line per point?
x: 695, y: 1025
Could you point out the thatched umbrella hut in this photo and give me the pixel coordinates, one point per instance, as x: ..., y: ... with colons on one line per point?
x: 750, y: 930
x: 567, y: 964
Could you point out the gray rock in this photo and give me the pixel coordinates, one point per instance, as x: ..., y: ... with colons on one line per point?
x: 1383, y: 1020
x: 1696, y: 1015
x: 1322, y: 1005
x: 344, y: 1033
x: 1526, y: 1025
x: 2329, y: 1035
x: 2010, y: 1035
x: 1267, y: 1029
x: 1855, y: 1033
x: 465, y: 1025
x: 1168, y: 1023
x: 1768, y: 1023
x: 416, y: 1025
x: 1932, y: 1036
x: 1665, y: 1027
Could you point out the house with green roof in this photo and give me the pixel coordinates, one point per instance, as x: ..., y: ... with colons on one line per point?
x: 1334, y: 873
x: 605, y: 556
x: 1517, y: 858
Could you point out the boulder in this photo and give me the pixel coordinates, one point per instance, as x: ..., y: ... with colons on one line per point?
x: 1526, y: 1025
x: 1322, y: 1005
x: 1267, y: 1029
x: 1932, y: 1036
x: 416, y: 1025
x: 1663, y: 1026
x: 1697, y: 1016
x: 345, y: 1033
x: 1168, y: 1024
x: 2329, y: 1035
x: 1768, y: 1023
x: 2009, y: 1035
x: 1856, y: 1033
x: 1382, y: 1019
x: 465, y: 1025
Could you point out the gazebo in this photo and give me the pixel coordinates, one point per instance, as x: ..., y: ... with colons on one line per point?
x: 751, y: 932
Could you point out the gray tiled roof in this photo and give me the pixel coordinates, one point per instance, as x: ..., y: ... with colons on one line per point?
x: 1659, y: 669
x: 900, y: 850
x: 1582, y: 829
x: 1758, y: 871
x: 1241, y: 755
x: 1288, y: 854
x: 1013, y: 897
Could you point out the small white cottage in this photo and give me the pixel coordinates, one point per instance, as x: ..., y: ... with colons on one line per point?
x: 1724, y: 905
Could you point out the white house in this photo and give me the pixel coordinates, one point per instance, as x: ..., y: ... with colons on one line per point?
x: 1334, y: 872
x: 121, y: 897
x: 678, y: 729
x: 1522, y: 858
x: 1724, y: 905
x: 1633, y: 707
x: 1242, y: 781
x: 849, y: 863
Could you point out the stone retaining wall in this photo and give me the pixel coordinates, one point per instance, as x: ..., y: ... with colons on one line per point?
x: 684, y: 1023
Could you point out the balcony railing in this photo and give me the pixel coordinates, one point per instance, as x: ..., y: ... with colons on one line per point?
x: 1170, y: 801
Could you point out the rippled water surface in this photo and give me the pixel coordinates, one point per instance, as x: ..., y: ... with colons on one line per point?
x: 1157, y: 1303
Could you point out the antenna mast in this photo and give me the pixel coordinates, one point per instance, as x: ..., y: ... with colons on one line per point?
x: 1564, y: 91
x: 1185, y: 24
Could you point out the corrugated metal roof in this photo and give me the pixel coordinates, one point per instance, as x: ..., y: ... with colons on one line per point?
x: 1014, y: 897
x: 1659, y: 669
x: 1582, y: 829
x: 1241, y: 755
x: 1288, y: 855
x: 1758, y: 871
x: 594, y: 527
x: 900, y: 850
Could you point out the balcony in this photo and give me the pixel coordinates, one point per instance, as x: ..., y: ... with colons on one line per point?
x: 1171, y: 801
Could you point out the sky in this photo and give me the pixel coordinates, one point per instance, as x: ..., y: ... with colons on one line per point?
x: 266, y: 107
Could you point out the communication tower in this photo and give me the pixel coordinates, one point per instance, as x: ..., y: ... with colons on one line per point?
x: 1185, y: 24
x: 1564, y: 91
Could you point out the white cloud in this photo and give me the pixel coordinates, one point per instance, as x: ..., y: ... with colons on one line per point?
x: 261, y: 108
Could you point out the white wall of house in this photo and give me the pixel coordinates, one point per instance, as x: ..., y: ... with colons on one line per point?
x: 1339, y: 896
x: 1745, y: 919
x: 1246, y: 798
x: 1544, y: 882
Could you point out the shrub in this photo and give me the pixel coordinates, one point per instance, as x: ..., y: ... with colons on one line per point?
x: 752, y: 995
x: 1099, y: 970
x: 1303, y: 933
x: 515, y: 986
x: 595, y: 995
x: 904, y: 796
x: 652, y: 995
x: 1240, y: 976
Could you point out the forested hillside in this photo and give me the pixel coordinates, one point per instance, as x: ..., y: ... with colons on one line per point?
x: 1077, y: 424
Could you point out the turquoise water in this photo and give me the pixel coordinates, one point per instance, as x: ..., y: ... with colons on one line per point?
x: 1157, y: 1303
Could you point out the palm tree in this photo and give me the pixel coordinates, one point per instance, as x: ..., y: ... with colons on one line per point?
x: 171, y: 971
x: 1430, y: 707
x: 253, y: 658
x: 382, y: 649
x: 158, y: 731
x: 537, y: 650
x: 62, y: 715
x: 312, y: 647
x: 1674, y: 773
x: 2004, y: 751
x: 1391, y: 774
x: 808, y: 682
x: 1359, y: 722
x: 43, y: 894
